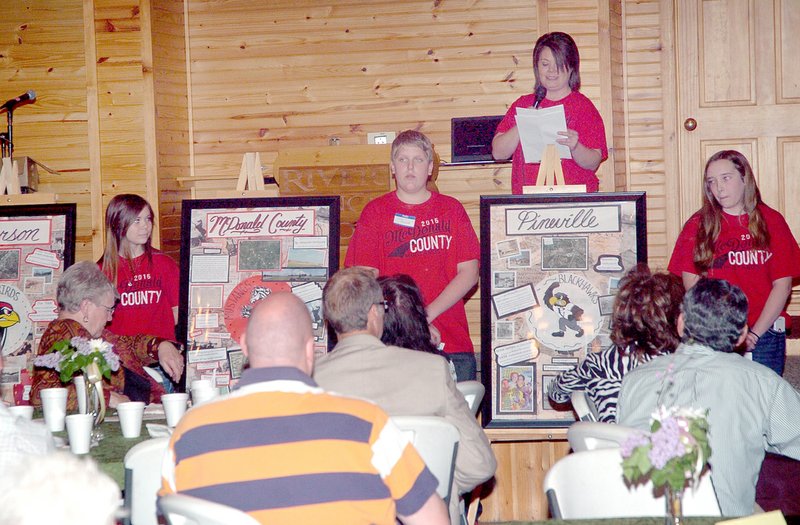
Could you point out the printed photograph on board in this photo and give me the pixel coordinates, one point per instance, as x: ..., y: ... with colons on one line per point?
x: 235, y: 253
x: 550, y: 269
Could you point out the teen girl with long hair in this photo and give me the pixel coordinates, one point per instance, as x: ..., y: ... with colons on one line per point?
x: 736, y: 237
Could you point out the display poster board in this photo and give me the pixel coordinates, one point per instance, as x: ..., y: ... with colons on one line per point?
x: 550, y: 268
x: 235, y: 252
x: 37, y: 242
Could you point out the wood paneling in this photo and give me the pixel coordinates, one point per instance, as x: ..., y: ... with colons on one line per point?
x: 93, y: 121
x: 177, y: 89
x: 172, y: 117
x: 645, y: 86
x: 304, y: 72
x: 42, y: 48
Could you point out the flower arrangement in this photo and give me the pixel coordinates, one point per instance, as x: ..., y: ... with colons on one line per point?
x: 71, y: 355
x: 673, y: 454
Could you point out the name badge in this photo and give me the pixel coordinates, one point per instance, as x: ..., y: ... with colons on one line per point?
x: 404, y: 220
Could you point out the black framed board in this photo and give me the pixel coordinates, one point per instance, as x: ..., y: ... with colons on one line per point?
x: 235, y: 252
x: 550, y: 268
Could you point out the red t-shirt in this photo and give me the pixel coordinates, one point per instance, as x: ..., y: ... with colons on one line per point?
x: 735, y: 261
x: 581, y: 116
x: 426, y: 241
x: 147, y: 295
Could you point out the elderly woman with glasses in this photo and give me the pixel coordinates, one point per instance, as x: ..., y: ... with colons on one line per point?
x: 86, y: 301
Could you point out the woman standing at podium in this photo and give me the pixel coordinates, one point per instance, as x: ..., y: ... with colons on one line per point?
x: 556, y: 66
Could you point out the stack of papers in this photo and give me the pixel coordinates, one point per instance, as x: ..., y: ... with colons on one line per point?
x: 538, y: 128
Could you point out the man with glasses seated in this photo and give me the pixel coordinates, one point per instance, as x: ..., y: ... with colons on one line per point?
x: 401, y: 381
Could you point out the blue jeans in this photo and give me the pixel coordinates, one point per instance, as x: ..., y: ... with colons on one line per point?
x: 770, y: 350
x: 465, y: 365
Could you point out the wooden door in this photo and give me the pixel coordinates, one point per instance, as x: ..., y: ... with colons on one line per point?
x: 739, y: 81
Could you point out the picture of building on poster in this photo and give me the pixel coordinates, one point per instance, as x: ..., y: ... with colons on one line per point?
x: 554, y: 272
x: 240, y: 256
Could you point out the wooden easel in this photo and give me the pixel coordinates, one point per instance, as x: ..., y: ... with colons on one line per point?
x: 551, y: 176
x: 250, y: 176
x: 9, y: 183
x: 9, y: 177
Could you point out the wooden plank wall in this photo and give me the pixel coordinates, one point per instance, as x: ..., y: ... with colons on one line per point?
x: 94, y: 119
x: 648, y: 118
x: 42, y: 48
x: 122, y: 98
x: 300, y: 72
x: 303, y: 72
x: 173, y: 125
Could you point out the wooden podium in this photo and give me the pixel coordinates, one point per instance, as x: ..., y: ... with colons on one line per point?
x: 356, y: 173
x: 9, y: 183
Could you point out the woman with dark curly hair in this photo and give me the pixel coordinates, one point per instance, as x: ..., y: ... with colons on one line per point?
x: 643, y: 326
x: 405, y: 321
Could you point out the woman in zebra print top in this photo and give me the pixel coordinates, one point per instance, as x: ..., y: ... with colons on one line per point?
x: 643, y: 326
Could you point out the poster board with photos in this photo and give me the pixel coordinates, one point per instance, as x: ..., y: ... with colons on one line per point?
x: 235, y: 252
x: 37, y: 242
x: 550, y: 268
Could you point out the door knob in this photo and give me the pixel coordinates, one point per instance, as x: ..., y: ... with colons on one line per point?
x: 690, y: 124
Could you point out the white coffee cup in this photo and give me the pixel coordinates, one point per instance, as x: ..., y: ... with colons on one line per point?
x: 130, y: 418
x: 174, y: 407
x: 23, y: 411
x: 79, y: 431
x: 202, y: 391
x: 54, y: 405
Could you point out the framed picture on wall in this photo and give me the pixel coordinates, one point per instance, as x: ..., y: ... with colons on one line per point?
x: 235, y: 252
x: 550, y: 268
x: 37, y: 243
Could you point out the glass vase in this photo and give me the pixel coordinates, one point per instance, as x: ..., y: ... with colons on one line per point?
x: 674, y: 503
x: 95, y: 401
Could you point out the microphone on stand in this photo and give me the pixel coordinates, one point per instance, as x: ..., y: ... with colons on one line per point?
x: 540, y: 92
x: 9, y: 105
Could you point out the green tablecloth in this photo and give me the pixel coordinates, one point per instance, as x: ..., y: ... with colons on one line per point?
x: 110, y: 453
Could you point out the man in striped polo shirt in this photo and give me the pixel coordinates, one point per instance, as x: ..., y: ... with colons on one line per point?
x: 286, y: 452
x: 750, y: 407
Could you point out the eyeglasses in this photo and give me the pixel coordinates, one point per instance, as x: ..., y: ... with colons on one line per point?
x: 109, y: 309
x: 385, y: 304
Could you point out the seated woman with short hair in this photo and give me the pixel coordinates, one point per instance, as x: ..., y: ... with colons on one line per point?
x: 643, y: 326
x: 86, y: 300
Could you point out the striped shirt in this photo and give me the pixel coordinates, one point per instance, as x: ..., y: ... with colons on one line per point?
x: 284, y: 451
x: 750, y: 409
x: 600, y: 375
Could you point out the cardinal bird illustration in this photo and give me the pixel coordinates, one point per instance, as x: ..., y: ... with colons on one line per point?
x: 8, y: 318
x: 568, y: 314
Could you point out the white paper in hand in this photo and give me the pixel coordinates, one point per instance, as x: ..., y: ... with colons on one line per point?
x: 540, y: 127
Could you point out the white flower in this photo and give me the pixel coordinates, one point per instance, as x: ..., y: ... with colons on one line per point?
x: 100, y: 345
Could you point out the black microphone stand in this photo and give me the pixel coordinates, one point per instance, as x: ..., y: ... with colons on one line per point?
x: 3, y: 144
x: 9, y: 127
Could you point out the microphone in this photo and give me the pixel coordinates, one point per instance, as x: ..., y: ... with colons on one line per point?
x: 29, y: 95
x: 541, y: 91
